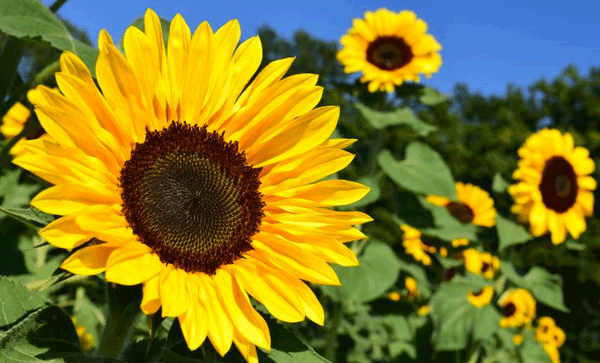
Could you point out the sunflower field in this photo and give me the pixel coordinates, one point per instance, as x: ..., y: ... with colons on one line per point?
x: 176, y: 195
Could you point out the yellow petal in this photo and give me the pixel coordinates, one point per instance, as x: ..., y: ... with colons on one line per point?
x: 71, y: 198
x: 328, y: 193
x: 220, y: 330
x: 250, y: 324
x: 173, y: 291
x: 194, y: 325
x: 247, y: 349
x: 65, y: 233
x: 151, y: 296
x: 177, y: 53
x: 264, y: 284
x: 274, y: 250
x: 89, y: 260
x: 132, y: 264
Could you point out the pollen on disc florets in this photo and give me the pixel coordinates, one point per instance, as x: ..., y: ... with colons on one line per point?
x: 191, y: 197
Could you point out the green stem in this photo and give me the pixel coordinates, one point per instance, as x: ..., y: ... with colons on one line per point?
x: 123, y: 309
x: 331, y: 345
x: 57, y: 5
x: 208, y: 353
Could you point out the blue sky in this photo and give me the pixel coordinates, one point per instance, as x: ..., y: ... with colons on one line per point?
x: 487, y: 44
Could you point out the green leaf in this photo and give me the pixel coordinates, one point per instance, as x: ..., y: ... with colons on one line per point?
x: 287, y: 348
x: 545, y: 287
x: 13, y: 193
x: 486, y: 323
x: 430, y: 96
x: 452, y: 316
x: 499, y: 185
x: 422, y: 171
x: 510, y: 233
x: 401, y: 116
x: 377, y: 272
x: 44, y: 335
x: 30, y: 19
x: 532, y: 351
x: 16, y: 301
x: 31, y: 217
x: 32, y: 330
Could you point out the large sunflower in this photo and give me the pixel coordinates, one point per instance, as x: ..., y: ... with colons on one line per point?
x: 554, y: 192
x: 201, y: 187
x: 389, y: 48
x: 474, y: 205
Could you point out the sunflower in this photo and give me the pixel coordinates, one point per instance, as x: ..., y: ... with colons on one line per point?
x: 411, y: 240
x: 423, y: 310
x: 552, y: 352
x: 411, y: 286
x: 474, y: 205
x: 554, y: 192
x: 457, y: 242
x: 480, y: 263
x: 518, y: 339
x: 204, y: 188
x: 518, y: 306
x: 13, y: 122
x: 394, y: 296
x: 482, y: 297
x: 389, y: 48
x: 548, y: 332
x: 86, y: 339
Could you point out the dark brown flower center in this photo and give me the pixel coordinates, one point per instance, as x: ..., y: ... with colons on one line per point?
x: 558, y: 185
x: 461, y: 211
x: 389, y: 53
x: 478, y: 293
x: 191, y: 197
x: 484, y: 267
x: 509, y: 309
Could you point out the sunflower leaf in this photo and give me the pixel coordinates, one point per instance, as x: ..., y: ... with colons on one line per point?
x: 31, y: 329
x: 545, y: 287
x: 401, y: 116
x: 377, y: 273
x: 31, y: 217
x: 431, y: 97
x: 452, y: 316
x: 287, y: 348
x: 499, y: 185
x: 422, y: 171
x: 510, y: 233
x: 31, y: 20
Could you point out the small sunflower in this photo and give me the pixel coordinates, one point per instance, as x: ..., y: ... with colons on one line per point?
x: 552, y: 352
x: 14, y: 122
x: 554, y: 192
x: 411, y: 286
x: 203, y: 187
x: 518, y: 339
x: 411, y: 240
x: 457, y: 242
x: 86, y: 339
x: 548, y: 332
x: 389, y: 48
x: 394, y: 296
x: 424, y: 310
x: 518, y: 307
x: 482, y: 297
x: 474, y: 205
x: 481, y: 263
